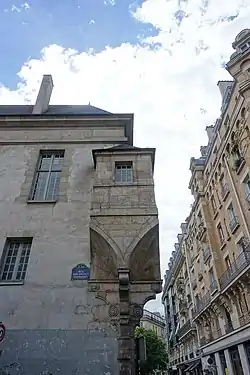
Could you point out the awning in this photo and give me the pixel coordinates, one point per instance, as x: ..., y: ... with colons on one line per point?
x: 192, y: 366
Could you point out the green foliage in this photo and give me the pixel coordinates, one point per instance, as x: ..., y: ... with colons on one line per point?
x: 157, y: 357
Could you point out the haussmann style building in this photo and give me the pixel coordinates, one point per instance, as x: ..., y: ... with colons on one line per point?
x: 207, y: 286
x: 79, y: 234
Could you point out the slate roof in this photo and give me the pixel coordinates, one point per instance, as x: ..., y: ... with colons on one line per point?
x: 54, y: 110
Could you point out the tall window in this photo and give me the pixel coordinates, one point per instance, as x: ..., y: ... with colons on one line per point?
x: 213, y: 204
x: 231, y: 213
x: 211, y: 276
x: 242, y: 244
x: 47, y: 179
x: 123, y: 172
x: 15, y: 259
x: 228, y: 261
x: 221, y: 234
x: 246, y: 183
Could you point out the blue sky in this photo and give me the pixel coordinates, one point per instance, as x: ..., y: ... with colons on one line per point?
x: 80, y: 24
x: 158, y: 59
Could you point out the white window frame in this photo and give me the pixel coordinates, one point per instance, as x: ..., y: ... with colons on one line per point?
x: 126, y: 172
x: 50, y: 171
x: 15, y: 259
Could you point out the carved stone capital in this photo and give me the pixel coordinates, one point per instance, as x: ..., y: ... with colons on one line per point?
x: 136, y: 311
x: 123, y: 275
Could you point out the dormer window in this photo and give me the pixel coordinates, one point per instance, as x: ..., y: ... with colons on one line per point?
x: 123, y: 172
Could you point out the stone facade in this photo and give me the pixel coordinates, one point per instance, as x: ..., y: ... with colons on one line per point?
x: 56, y: 325
x: 214, y: 247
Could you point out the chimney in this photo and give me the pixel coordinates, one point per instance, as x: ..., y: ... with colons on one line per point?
x: 44, y: 94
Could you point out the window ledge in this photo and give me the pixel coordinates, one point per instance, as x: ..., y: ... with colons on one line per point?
x: 11, y: 282
x: 30, y: 201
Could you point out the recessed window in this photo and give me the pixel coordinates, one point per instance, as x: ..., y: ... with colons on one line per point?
x: 242, y: 245
x: 123, y: 172
x: 15, y: 259
x: 221, y: 234
x: 47, y: 178
x: 246, y: 183
x: 213, y: 203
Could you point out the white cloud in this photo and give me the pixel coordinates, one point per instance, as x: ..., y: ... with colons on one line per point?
x: 91, y: 22
x: 14, y: 8
x: 166, y: 88
x: 109, y: 2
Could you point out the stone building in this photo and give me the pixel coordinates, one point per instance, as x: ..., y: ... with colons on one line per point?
x: 154, y: 321
x: 214, y: 249
x: 78, y: 237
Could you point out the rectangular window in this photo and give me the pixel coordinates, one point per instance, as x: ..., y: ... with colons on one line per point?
x: 242, y: 245
x: 123, y: 172
x: 213, y: 204
x: 231, y: 213
x: 47, y: 178
x: 15, y: 259
x: 221, y: 234
x: 228, y: 262
x: 246, y: 183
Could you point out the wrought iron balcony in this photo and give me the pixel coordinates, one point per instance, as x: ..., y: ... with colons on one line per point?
x: 240, y: 264
x: 234, y: 224
x: 187, y: 327
x: 224, y: 191
x: 206, y: 254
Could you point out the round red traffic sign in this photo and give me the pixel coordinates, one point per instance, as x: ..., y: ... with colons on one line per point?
x: 2, y: 332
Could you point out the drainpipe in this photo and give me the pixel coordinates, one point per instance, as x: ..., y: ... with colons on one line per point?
x: 236, y: 195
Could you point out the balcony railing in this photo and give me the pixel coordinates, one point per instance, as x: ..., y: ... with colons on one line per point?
x: 224, y: 191
x: 234, y: 223
x: 206, y: 254
x: 234, y: 270
x: 185, y: 329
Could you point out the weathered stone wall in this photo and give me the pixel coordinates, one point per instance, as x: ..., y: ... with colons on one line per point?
x: 51, y: 322
x: 65, y: 352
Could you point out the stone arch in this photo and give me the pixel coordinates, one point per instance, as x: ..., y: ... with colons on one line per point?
x: 151, y: 223
x: 103, y: 258
x: 93, y: 226
x: 144, y: 259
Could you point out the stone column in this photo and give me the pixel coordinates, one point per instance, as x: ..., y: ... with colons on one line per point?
x: 218, y: 364
x: 244, y: 360
x: 229, y: 362
x: 124, y: 333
